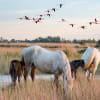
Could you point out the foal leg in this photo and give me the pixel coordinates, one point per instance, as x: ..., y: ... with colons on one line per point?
x: 19, y: 78
x: 56, y: 81
x: 72, y: 73
x: 26, y: 70
x: 75, y: 75
x: 33, y: 72
x: 19, y: 75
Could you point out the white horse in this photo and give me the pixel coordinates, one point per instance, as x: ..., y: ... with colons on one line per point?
x: 91, y: 58
x: 52, y: 62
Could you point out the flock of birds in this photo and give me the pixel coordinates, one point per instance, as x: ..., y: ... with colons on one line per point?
x: 40, y: 17
x: 53, y: 10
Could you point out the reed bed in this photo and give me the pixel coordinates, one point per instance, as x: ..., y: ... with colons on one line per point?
x: 46, y: 90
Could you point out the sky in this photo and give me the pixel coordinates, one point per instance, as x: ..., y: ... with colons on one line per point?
x: 79, y: 12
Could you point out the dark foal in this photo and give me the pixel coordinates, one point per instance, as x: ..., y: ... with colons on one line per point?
x: 75, y: 64
x: 16, y: 70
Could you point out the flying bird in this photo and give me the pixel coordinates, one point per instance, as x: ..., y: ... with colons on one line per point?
x: 53, y: 9
x: 63, y: 20
x: 83, y: 27
x: 60, y: 5
x: 95, y: 20
x: 72, y: 25
x: 37, y: 20
x: 48, y: 14
x: 41, y: 15
x: 27, y: 18
x: 34, y: 19
x: 48, y: 11
x: 90, y: 23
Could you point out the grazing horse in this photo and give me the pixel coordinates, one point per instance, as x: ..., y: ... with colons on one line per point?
x: 51, y: 62
x: 16, y: 70
x: 75, y: 64
x: 91, y: 58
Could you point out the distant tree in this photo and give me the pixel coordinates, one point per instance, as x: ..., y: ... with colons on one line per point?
x: 13, y: 40
x: 98, y: 43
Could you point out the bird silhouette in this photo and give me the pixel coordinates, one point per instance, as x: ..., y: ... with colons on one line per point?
x: 60, y: 5
x: 41, y: 15
x: 95, y: 20
x: 48, y: 11
x: 53, y: 9
x: 63, y: 20
x: 90, y: 23
x: 48, y: 14
x: 33, y: 19
x: 72, y: 25
x: 27, y: 18
x: 37, y: 20
x: 83, y: 27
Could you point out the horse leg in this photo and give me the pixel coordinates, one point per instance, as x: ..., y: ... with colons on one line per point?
x: 26, y: 70
x: 94, y: 67
x: 86, y: 74
x: 19, y: 78
x: 89, y: 75
x: 19, y: 75
x: 75, y: 74
x: 56, y: 81
x: 33, y: 72
x: 93, y: 73
x: 72, y: 74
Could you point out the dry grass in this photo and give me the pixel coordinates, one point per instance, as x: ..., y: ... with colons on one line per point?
x: 72, y: 52
x: 5, y: 59
x: 45, y: 90
x: 8, y: 53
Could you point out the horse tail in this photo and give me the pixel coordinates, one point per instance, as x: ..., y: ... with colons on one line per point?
x: 89, y: 63
x: 89, y: 59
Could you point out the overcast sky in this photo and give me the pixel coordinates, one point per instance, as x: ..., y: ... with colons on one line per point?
x: 79, y: 12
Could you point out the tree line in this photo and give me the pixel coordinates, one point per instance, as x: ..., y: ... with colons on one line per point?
x: 50, y: 39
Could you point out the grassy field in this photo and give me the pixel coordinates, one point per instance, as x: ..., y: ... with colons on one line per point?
x: 10, y: 51
x: 46, y: 90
